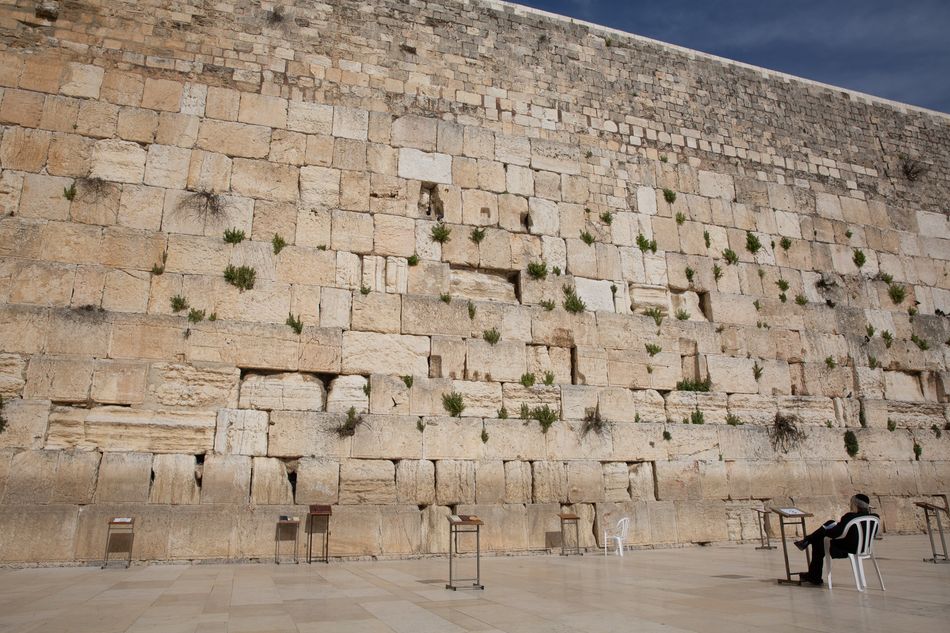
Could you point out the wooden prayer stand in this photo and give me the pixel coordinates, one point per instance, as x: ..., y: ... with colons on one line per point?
x: 464, y: 524
x: 316, y: 512
x: 119, y: 526
x: 792, y: 517
x: 567, y: 518
x: 286, y: 523
x: 929, y: 508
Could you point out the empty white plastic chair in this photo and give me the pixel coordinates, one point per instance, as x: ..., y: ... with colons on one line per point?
x: 617, y: 535
x: 866, y: 527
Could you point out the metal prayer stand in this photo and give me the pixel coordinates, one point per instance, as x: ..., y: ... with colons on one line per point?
x: 936, y: 510
x: 286, y: 522
x: 119, y: 526
x: 464, y: 524
x: 318, y: 511
x: 763, y: 521
x: 567, y: 518
x: 793, y: 516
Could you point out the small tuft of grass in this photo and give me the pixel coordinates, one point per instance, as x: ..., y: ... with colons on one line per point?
x: 548, y: 378
x: 680, y: 217
x: 919, y: 342
x: 697, y: 417
x: 786, y: 243
x: 413, y: 260
x: 656, y: 314
x: 891, y: 425
x: 234, y: 236
x: 407, y: 380
x: 783, y: 297
x: 885, y: 277
x: 669, y: 195
x: 757, y: 370
x: 800, y: 299
x: 441, y: 233
x: 491, y: 336
x: 484, y: 436
x: 690, y: 273
x: 752, y: 243
x: 707, y: 239
x: 888, y: 338
x: 653, y: 349
x: 545, y: 415
x: 573, y: 303
x: 682, y: 315
x: 733, y: 420
x: 445, y: 297
x: 872, y: 361
x: 644, y: 244
x: 687, y: 384
x: 179, y: 303
x: 897, y: 293
x: 477, y: 235
x: 717, y: 272
x: 667, y: 436
x: 195, y: 315
x: 502, y: 413
x: 918, y: 451
x: 607, y: 218
x: 527, y: 379
x: 347, y: 428
x: 453, y: 403
x: 471, y: 311
x: 213, y: 316
x: 858, y: 258
x: 830, y: 362
x: 782, y: 285
x: 420, y: 425
x: 278, y: 243
x: 730, y: 256
x: 241, y: 277
x: 70, y: 192
x: 537, y: 270
x: 294, y: 322
x: 851, y: 443
x: 586, y: 237
x: 547, y: 304
x: 556, y: 271
x: 365, y: 290
x: 870, y: 330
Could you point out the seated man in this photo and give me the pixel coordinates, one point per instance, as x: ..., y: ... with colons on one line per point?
x: 860, y: 506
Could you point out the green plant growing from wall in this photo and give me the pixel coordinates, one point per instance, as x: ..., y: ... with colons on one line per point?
x: 445, y: 297
x: 556, y: 271
x: 70, y: 192
x: 491, y: 336
x: 527, y: 379
x: 680, y: 217
x: 547, y: 304
x: 347, y: 428
x: 159, y: 269
x: 573, y: 303
x: 545, y: 415
x: 783, y: 297
x: 784, y: 433
x: 453, y: 403
x: 195, y: 315
x: 471, y: 311
x: 537, y: 270
x: 785, y: 243
x: 697, y: 417
x: 294, y: 322
x: 234, y: 236
x: 897, y: 293
x: 869, y: 329
x: 484, y: 436
x: 918, y: 451
x: 644, y: 244
x: 525, y: 412
x: 413, y: 260
x: 477, y: 235
x: 502, y: 413
x: 730, y: 256
x: 420, y: 425
x: 365, y: 290
x: 655, y: 313
x: 782, y: 285
x: 667, y: 436
x: 752, y: 243
x: 593, y: 422
x: 885, y: 277
x: 607, y: 218
x: 3, y: 419
x: 548, y: 378
x: 408, y: 380
x: 682, y: 315
x: 891, y: 425
x: 717, y: 272
x: 858, y: 258
x: 756, y: 370
x: 733, y: 420
x: 653, y: 349
x: 801, y: 299
x: 179, y: 303
x: 440, y: 233
x: 204, y: 205
x: 872, y: 361
x: 688, y: 384
x: 278, y: 243
x: 919, y: 342
x: 851, y: 443
x: 241, y: 277
x: 888, y: 338
x: 669, y: 195
x: 586, y: 237
x: 690, y: 273
x: 830, y: 362
x: 707, y: 239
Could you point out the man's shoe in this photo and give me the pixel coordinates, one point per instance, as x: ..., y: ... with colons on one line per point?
x: 802, y: 544
x: 808, y: 579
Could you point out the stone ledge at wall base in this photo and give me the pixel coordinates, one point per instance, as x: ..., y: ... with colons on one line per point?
x: 71, y: 534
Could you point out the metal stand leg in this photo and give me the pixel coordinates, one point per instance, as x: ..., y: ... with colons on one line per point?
x: 937, y: 556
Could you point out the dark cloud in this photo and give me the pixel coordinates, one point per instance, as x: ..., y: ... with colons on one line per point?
x: 895, y: 50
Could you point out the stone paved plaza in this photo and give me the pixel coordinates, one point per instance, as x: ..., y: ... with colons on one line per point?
x: 720, y: 588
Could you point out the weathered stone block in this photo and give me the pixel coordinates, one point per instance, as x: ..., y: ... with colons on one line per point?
x: 226, y: 479
x: 318, y: 481
x: 124, y: 477
x: 367, y: 481
x: 175, y: 480
x: 269, y: 482
x: 241, y: 432
x: 288, y: 391
x: 454, y: 481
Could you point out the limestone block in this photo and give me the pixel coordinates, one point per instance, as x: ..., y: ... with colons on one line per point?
x: 162, y: 94
x: 75, y: 478
x: 371, y: 352
x: 481, y: 286
x: 12, y: 375
x: 506, y: 526
x: 335, y: 308
x: 30, y: 477
x: 869, y: 383
x: 394, y: 235
x: 577, y: 400
x: 265, y: 180
x: 645, y: 297
x: 33, y: 533
x: 388, y: 395
x: 22, y: 108
x: 753, y: 409
x: 11, y: 184
x: 387, y: 436
x: 61, y: 379
x: 289, y: 391
x: 701, y: 522
x: 175, y: 480
x: 490, y: 481
x: 167, y: 166
x: 902, y: 386
x: 312, y: 118
x: 452, y: 438
x: 118, y: 161
x: 556, y: 157
x: 119, y: 382
x: 346, y: 392
x: 367, y: 481
x: 208, y: 171
x: 585, y: 480
x: 24, y: 149
x: 427, y: 167
x: 518, y: 482
x: 732, y: 309
x: 504, y: 361
x: 590, y: 366
x: 318, y: 481
x: 350, y: 123
x: 432, y: 316
x: 638, y: 369
x: 690, y: 441
x: 124, y: 477
x: 775, y: 379
x: 678, y: 480
x: 454, y: 481
x: 428, y: 278
x: 42, y: 197
x: 415, y: 131
x: 125, y: 429
x: 400, y: 530
x: 641, y: 482
x: 512, y: 439
x: 550, y: 482
x: 581, y: 258
x: 650, y: 405
x: 241, y: 432
x: 352, y: 231
x: 597, y: 294
x: 557, y: 360
x: 415, y: 482
x: 516, y: 394
x: 226, y: 479
x: 269, y: 482
x: 482, y: 399
x: 732, y: 375
x: 234, y: 139
x: 512, y: 321
x: 203, y: 385
x: 810, y: 410
x: 262, y: 110
x: 714, y: 185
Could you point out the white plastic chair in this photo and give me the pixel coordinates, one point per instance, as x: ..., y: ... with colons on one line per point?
x: 866, y: 527
x: 617, y: 535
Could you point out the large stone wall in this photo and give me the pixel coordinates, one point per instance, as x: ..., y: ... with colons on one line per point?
x: 134, y: 134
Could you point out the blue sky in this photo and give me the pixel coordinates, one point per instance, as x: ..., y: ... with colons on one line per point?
x: 896, y: 49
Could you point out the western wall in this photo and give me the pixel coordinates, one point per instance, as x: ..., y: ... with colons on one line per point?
x: 420, y: 258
